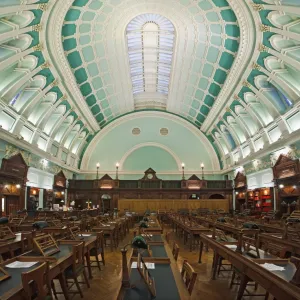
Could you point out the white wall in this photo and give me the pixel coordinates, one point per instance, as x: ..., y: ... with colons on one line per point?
x: 40, y: 179
x: 260, y: 179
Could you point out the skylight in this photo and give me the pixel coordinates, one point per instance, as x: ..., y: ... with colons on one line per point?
x: 150, y: 39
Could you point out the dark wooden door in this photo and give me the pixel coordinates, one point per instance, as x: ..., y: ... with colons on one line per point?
x: 12, y: 204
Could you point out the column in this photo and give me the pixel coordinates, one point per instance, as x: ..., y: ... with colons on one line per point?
x: 41, y: 198
x: 26, y: 190
x: 233, y: 199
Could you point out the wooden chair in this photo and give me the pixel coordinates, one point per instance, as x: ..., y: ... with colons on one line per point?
x: 167, y: 236
x: 277, y: 250
x: 189, y: 276
x: 75, y: 270
x: 270, y: 248
x: 175, y: 251
x: 98, y: 250
x: 38, y: 278
x: 27, y: 243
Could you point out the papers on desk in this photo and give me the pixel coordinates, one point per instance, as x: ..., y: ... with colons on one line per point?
x: 209, y: 235
x: 148, y: 265
x: 85, y: 234
x: 272, y: 267
x: 18, y: 234
x: 147, y: 234
x: 21, y: 264
x: 232, y: 247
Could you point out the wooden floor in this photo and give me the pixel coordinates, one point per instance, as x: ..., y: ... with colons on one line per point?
x: 105, y: 284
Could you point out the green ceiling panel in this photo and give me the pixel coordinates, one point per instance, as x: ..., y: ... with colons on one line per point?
x: 69, y: 44
x: 80, y: 3
x: 68, y: 29
x: 74, y: 59
x: 220, y: 76
x: 232, y: 30
x: 86, y: 89
x: 100, y: 118
x: 72, y: 15
x: 220, y: 3
x: 226, y: 60
x: 200, y: 118
x: 209, y: 100
x: 214, y: 89
x: 199, y: 94
x: 228, y: 15
x: 95, y: 110
x: 205, y: 5
x: 232, y: 45
x: 204, y: 110
x: 80, y: 75
x: 91, y: 100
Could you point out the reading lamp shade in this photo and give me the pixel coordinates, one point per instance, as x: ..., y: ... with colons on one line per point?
x: 143, y: 225
x: 139, y: 242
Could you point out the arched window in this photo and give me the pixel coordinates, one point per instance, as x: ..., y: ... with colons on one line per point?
x: 150, y: 39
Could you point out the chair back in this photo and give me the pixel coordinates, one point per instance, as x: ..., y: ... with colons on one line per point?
x: 189, y: 276
x: 274, y: 249
x: 39, y: 278
x: 27, y: 241
x: 78, y: 258
x: 251, y: 243
x: 175, y: 251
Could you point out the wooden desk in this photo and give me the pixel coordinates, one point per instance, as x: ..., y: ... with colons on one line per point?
x: 168, y: 281
x: 192, y: 231
x: 108, y: 229
x: 275, y: 282
x: 10, y: 246
x: 12, y: 287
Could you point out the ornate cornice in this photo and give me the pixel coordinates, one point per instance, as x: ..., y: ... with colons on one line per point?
x: 242, y: 61
x: 53, y: 19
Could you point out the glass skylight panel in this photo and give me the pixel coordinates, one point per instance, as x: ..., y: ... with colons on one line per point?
x: 150, y: 40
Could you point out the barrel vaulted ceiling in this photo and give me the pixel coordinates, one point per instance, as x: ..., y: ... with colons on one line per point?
x: 229, y: 67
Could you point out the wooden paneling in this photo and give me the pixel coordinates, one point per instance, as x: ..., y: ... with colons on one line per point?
x: 140, y: 205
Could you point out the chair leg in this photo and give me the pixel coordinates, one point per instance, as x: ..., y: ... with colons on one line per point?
x: 267, y: 296
x: 86, y: 279
x: 255, y: 286
x: 220, y: 265
x: 232, y: 279
x: 98, y: 262
x: 78, y: 287
x: 53, y: 289
x: 102, y: 256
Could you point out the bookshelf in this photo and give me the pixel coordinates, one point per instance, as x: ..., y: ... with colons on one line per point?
x: 261, y: 199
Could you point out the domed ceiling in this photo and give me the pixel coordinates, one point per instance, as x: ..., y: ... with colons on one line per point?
x: 230, y: 68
